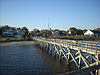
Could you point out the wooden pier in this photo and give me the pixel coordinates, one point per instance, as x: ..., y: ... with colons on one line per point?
x: 84, y: 54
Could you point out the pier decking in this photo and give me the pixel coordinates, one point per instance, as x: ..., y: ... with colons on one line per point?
x: 86, y: 53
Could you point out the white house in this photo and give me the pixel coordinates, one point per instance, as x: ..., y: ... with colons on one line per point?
x: 8, y: 33
x: 69, y: 32
x: 57, y: 33
x: 92, y: 33
x: 20, y: 33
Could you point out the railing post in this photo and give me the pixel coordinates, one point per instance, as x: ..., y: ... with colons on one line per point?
x: 67, y: 43
x: 72, y: 45
x: 86, y: 46
x: 68, y: 59
x: 54, y: 51
x: 98, y: 62
x: 96, y: 48
x: 91, y: 46
x: 78, y: 45
x: 79, y: 61
x: 60, y: 56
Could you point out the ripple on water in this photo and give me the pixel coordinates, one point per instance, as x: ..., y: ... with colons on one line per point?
x: 28, y: 60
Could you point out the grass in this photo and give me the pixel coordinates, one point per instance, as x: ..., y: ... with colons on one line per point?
x: 81, y: 37
x: 17, y: 43
x: 14, y: 39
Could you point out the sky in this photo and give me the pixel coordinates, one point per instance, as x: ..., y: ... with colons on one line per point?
x: 62, y: 14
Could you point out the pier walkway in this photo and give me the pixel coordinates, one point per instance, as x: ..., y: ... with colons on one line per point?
x: 84, y: 54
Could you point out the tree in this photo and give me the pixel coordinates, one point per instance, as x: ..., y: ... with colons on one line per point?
x: 0, y: 31
x: 98, y: 29
x: 56, y: 30
x: 14, y: 31
x: 64, y: 33
x: 36, y: 31
x: 26, y: 32
x: 48, y: 32
x: 5, y: 27
x: 73, y: 31
x: 84, y: 30
x: 67, y: 32
x: 79, y: 32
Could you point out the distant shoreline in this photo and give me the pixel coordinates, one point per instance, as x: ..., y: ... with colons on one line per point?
x: 17, y: 43
x: 10, y: 39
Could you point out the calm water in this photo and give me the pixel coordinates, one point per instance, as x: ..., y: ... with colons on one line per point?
x: 28, y: 60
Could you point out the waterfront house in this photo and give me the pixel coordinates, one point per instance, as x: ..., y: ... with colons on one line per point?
x: 37, y: 35
x: 57, y: 33
x: 92, y: 33
x: 8, y: 33
x: 20, y: 33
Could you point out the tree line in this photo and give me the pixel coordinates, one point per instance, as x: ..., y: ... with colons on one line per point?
x: 71, y: 31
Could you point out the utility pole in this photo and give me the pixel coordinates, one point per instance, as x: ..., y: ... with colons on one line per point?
x: 48, y: 23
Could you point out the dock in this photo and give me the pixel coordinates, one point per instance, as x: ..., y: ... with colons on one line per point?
x: 84, y: 54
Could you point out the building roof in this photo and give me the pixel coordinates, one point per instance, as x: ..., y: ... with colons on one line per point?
x: 95, y: 31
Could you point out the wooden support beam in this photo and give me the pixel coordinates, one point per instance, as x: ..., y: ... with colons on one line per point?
x: 85, y: 71
x: 79, y: 62
x: 64, y: 50
x: 98, y: 63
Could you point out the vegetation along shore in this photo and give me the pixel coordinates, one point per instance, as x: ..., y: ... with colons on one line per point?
x: 17, y: 43
x: 8, y: 33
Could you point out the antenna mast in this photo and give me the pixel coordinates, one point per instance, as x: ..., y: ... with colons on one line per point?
x: 48, y: 22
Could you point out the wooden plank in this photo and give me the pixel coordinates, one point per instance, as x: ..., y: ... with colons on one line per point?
x: 76, y: 46
x: 88, y: 49
x: 84, y: 71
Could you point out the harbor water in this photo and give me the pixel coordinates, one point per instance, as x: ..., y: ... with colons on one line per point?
x: 28, y: 60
